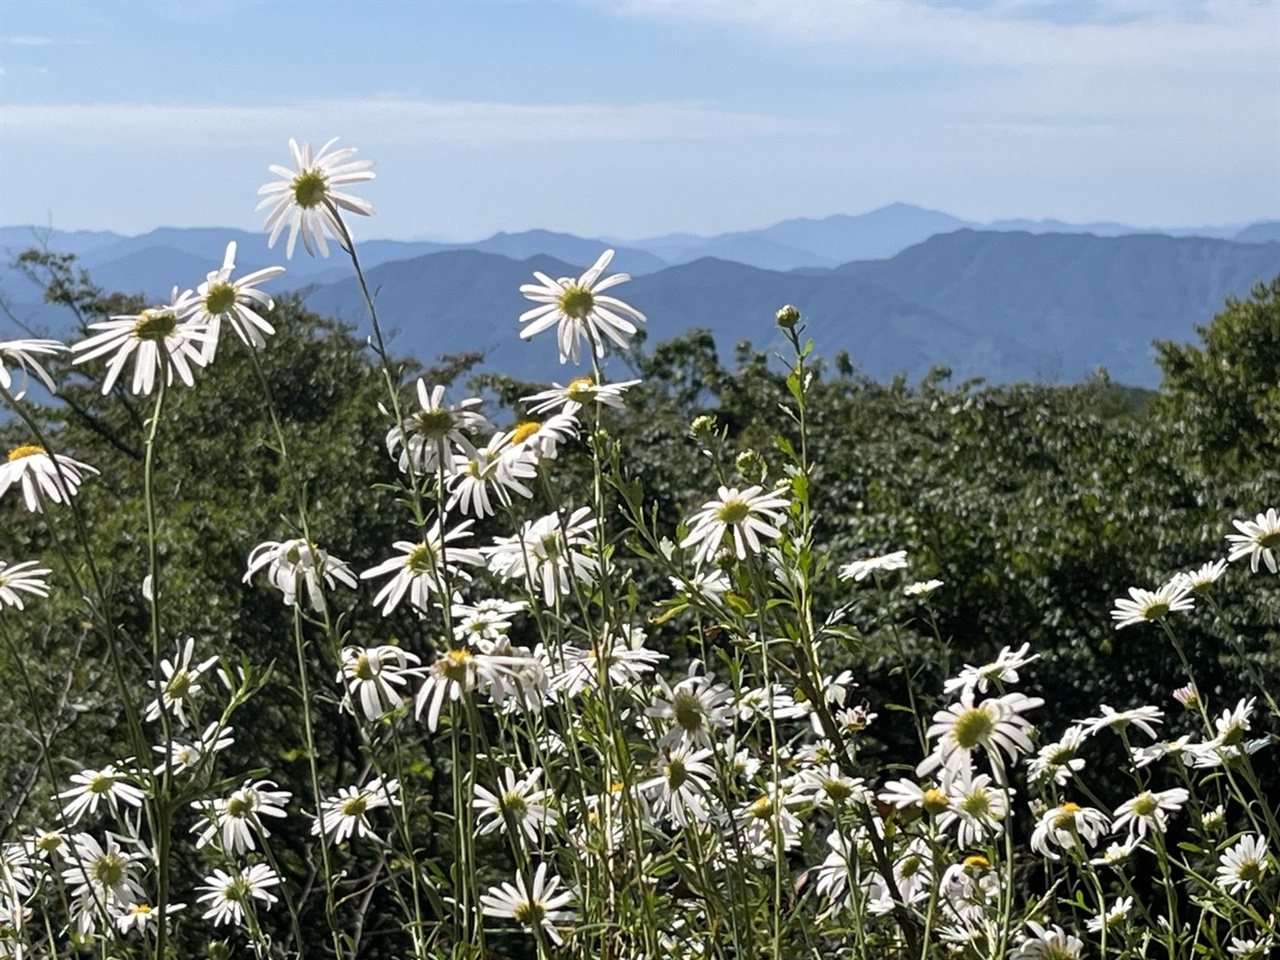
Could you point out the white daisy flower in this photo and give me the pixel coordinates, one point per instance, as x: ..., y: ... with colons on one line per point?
x: 579, y: 310
x: 921, y: 588
x: 188, y: 756
x: 521, y: 800
x: 537, y: 441
x: 977, y: 810
x: 1113, y: 917
x: 435, y: 431
x: 996, y: 724
x: 305, y: 201
x: 1201, y: 580
x: 532, y: 905
x: 42, y: 477
x: 237, y: 818
x: 750, y: 514
x: 1243, y: 865
x: 1003, y: 669
x: 180, y: 683
x: 1258, y: 540
x: 1149, y: 811
x: 347, y: 814
x: 372, y: 676
x: 696, y: 708
x: 859, y: 570
x: 624, y: 658
x: 22, y: 355
x: 140, y: 916
x: 1048, y: 942
x: 547, y: 553
x: 238, y: 302
x: 907, y: 793
x: 1141, y: 717
x: 455, y: 673
x: 485, y: 620
x: 1117, y: 854
x: 229, y: 894
x: 19, y: 578
x: 1145, y: 606
x: 1066, y: 827
x: 160, y: 342
x: 94, y: 786
x: 424, y: 568
x: 498, y: 468
x: 101, y: 878
x: 1251, y: 948
x: 1060, y: 761
x: 291, y: 564
x: 681, y: 790
x: 580, y: 391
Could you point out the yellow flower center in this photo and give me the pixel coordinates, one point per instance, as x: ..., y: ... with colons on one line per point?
x: 688, y: 711
x: 107, y: 870
x: 1269, y: 541
x: 239, y: 807
x: 434, y: 423
x: 143, y: 908
x: 155, y: 324
x: 976, y: 860
x: 976, y: 804
x: 101, y: 783
x: 1250, y: 870
x: 577, y: 302
x: 973, y: 727
x: 934, y: 800
x: 26, y: 450
x: 355, y: 806
x: 514, y: 802
x: 675, y: 773
x: 525, y: 431
x: 421, y: 559
x: 1156, y: 610
x: 733, y: 510
x: 363, y: 669
x: 1145, y: 804
x: 454, y: 665
x: 220, y: 298
x: 178, y: 686
x: 1065, y: 819
x: 580, y: 390
x: 528, y: 913
x: 310, y: 188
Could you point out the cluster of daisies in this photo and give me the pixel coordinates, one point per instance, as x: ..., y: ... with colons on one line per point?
x: 746, y: 772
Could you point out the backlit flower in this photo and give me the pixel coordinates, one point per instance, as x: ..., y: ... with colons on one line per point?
x: 180, y: 683
x: 374, y: 677
x: 532, y: 905
x: 580, y: 310
x: 996, y: 724
x: 229, y: 894
x: 19, y: 578
x: 22, y: 355
x: 1258, y: 540
x: 42, y: 477
x: 1143, y: 606
x: 859, y: 570
x: 1148, y: 811
x: 433, y: 433
x: 238, y: 302
x: 292, y: 564
x: 305, y: 200
x: 748, y: 514
x: 1243, y: 865
x: 347, y: 814
x: 238, y: 818
x: 572, y: 398
x: 158, y: 339
x: 423, y: 568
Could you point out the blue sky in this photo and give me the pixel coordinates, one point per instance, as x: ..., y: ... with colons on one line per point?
x: 634, y: 119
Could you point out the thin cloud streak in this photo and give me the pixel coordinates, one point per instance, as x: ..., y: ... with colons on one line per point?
x: 1225, y: 38
x: 390, y: 120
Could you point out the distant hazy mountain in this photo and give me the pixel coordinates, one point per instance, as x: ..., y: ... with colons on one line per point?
x: 1007, y: 306
x: 1002, y: 304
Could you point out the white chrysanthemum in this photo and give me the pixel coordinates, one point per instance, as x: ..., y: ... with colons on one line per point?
x: 189, y: 756
x: 521, y: 801
x: 1004, y: 669
x: 1066, y: 827
x: 1146, y: 606
x: 22, y: 355
x: 19, y: 578
x: 581, y: 391
x: 1048, y: 942
x: 535, y: 905
x: 347, y: 814
x: 683, y: 787
x: 977, y: 810
x: 547, y: 554
x: 1113, y: 917
x: 1148, y: 811
x: 101, y: 878
x: 291, y: 564
x: 158, y: 339
x: 424, y: 568
x: 749, y: 514
x: 94, y: 786
x: 859, y: 570
x: 485, y: 620
x: 238, y: 302
x: 1243, y: 865
x: 239, y: 817
x: 435, y: 431
x: 1258, y: 540
x: 305, y: 201
x: 921, y: 588
x: 42, y: 477
x: 374, y: 676
x: 181, y: 682
x: 996, y: 724
x: 229, y: 894
x: 1201, y: 580
x: 579, y: 310
x: 498, y: 468
x: 1060, y: 761
x: 1141, y: 717
x: 625, y: 660
x: 696, y: 708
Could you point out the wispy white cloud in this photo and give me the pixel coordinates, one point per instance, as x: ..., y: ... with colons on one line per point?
x: 1195, y: 37
x: 33, y: 41
x: 392, y: 120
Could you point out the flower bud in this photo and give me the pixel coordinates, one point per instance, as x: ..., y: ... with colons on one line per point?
x: 787, y: 317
